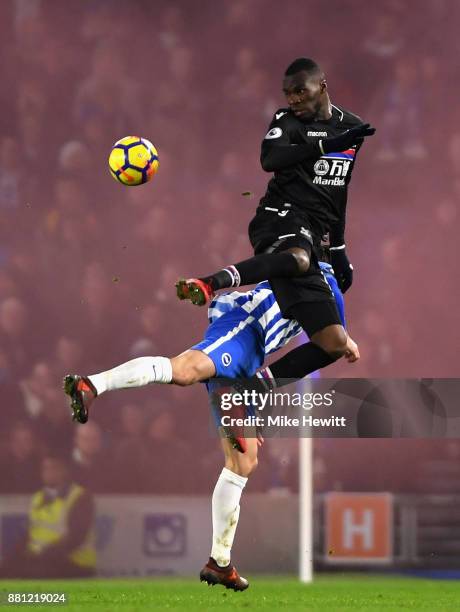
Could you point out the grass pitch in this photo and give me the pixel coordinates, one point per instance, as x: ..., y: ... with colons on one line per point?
x: 331, y: 593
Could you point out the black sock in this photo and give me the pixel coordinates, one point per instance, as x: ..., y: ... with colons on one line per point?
x: 302, y: 360
x: 254, y: 270
x: 295, y: 365
x: 299, y: 362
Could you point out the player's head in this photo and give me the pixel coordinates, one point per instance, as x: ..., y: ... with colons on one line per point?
x: 305, y: 88
x: 55, y: 470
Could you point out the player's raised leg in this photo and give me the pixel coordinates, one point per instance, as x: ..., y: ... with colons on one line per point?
x: 225, y: 514
x: 199, y: 291
x: 186, y: 369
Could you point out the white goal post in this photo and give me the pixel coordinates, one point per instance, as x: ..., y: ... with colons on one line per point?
x: 306, y: 509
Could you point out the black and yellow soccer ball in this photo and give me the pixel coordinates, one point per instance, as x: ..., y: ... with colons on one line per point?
x: 133, y: 160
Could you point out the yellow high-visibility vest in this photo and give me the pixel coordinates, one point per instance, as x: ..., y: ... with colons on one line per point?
x: 48, y: 524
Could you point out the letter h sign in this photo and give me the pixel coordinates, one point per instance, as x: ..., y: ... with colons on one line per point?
x: 359, y: 528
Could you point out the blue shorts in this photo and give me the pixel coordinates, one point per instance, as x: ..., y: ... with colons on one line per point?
x: 235, y: 344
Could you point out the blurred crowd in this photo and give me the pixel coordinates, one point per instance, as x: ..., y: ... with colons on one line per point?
x: 87, y: 266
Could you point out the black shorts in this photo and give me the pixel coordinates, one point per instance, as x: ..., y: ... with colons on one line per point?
x: 274, y: 223
x: 273, y: 231
x: 314, y: 316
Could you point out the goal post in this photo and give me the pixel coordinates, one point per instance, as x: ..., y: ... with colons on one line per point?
x: 306, y: 509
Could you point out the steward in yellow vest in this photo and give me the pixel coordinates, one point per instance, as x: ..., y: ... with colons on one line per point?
x: 60, y: 536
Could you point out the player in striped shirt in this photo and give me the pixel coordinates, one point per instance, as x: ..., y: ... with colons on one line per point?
x: 244, y: 328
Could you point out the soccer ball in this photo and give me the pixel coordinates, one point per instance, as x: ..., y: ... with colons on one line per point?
x: 133, y: 160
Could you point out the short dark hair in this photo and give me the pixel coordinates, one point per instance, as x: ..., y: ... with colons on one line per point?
x: 302, y: 63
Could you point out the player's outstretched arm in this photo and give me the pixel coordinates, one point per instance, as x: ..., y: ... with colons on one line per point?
x: 279, y: 157
x: 278, y: 153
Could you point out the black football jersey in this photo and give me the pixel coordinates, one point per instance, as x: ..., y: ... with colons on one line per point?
x: 316, y: 186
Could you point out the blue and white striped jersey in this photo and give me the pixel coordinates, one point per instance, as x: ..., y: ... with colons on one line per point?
x: 261, y: 304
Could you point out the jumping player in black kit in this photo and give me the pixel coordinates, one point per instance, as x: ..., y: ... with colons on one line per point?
x: 311, y: 147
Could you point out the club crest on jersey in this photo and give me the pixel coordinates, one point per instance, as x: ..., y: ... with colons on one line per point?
x: 226, y: 359
x: 274, y: 133
x: 321, y: 167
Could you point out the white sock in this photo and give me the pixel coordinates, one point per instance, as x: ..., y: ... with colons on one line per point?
x: 225, y: 513
x: 135, y: 373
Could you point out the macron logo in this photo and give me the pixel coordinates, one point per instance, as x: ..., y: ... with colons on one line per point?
x: 279, y: 115
x: 310, y: 133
